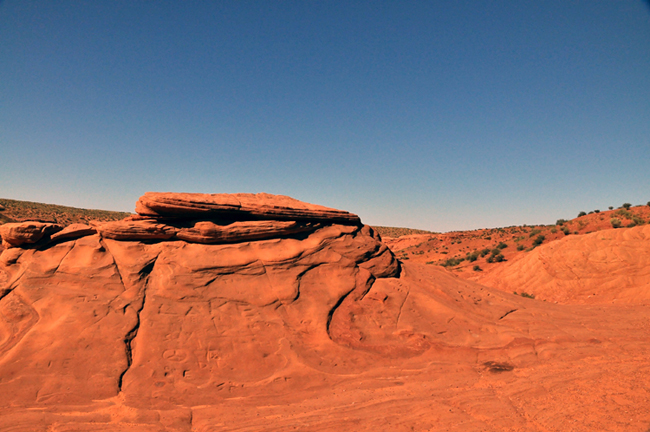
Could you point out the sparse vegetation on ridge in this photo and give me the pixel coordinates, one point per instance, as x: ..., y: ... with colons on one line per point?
x: 15, y: 211
x: 396, y: 232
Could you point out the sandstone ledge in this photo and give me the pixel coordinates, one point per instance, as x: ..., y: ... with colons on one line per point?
x: 241, y: 206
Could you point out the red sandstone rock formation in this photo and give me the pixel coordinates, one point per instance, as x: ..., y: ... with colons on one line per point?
x: 263, y: 206
x: 259, y: 322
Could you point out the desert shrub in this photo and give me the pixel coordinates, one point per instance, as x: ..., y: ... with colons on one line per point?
x: 471, y: 257
x: 566, y: 231
x: 648, y: 203
x: 596, y: 211
x: 452, y: 262
x: 626, y: 206
x: 624, y: 213
x: 560, y: 222
x: 611, y: 207
x: 495, y: 251
x: 495, y: 258
x: 530, y: 296
x: 630, y: 225
x: 582, y: 214
x: 484, y: 252
x: 502, y: 245
x: 553, y: 230
x: 638, y: 220
x: 539, y: 240
x: 488, y: 238
x: 477, y: 268
x: 616, y: 223
x: 534, y: 233
x: 521, y: 247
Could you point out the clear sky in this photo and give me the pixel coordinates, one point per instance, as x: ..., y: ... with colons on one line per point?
x: 439, y: 115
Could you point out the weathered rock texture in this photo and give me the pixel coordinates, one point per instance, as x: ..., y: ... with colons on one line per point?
x: 161, y: 323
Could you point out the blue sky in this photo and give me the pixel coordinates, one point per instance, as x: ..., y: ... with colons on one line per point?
x: 440, y: 115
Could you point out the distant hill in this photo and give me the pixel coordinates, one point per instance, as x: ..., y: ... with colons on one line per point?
x: 16, y: 211
x: 396, y: 232
x: 474, y: 253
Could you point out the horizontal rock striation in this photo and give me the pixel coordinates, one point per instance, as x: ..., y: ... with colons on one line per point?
x: 193, y: 218
x: 242, y: 206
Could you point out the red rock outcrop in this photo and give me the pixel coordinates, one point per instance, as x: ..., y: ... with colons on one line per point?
x: 73, y: 231
x: 21, y: 233
x: 184, y: 326
x: 242, y: 205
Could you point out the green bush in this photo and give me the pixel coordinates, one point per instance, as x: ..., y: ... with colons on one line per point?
x: 521, y: 247
x: 534, y: 233
x: 626, y: 214
x: 530, y: 296
x: 452, y: 262
x: 502, y: 245
x: 560, y: 222
x: 471, y: 257
x: 582, y: 214
x: 484, y: 252
x: 596, y: 211
x: 566, y: 231
x: 616, y: 223
x: 539, y: 240
x: 477, y: 268
x: 495, y: 258
x: 626, y: 206
x: 611, y: 207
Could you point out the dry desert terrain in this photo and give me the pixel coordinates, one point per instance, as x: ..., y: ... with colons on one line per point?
x: 242, y: 312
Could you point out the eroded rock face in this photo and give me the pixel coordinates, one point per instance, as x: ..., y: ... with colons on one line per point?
x: 172, y: 309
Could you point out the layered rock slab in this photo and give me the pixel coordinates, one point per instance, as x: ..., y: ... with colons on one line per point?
x: 242, y: 205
